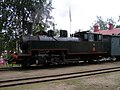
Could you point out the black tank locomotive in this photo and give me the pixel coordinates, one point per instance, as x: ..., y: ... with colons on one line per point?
x: 82, y: 46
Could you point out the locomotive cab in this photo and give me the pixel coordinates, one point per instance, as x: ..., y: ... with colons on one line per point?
x: 87, y: 36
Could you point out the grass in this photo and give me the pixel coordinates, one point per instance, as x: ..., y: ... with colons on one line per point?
x: 8, y: 65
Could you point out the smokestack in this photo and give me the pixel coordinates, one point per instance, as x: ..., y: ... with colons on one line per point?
x: 96, y: 28
x: 110, y: 26
x: 63, y: 33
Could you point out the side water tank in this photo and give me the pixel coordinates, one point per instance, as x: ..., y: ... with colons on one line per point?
x: 63, y: 33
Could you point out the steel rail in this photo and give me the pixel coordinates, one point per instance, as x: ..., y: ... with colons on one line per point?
x: 31, y: 80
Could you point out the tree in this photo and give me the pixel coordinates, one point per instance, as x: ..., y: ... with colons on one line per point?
x: 41, y: 17
x: 14, y: 15
x: 103, y: 24
x: 118, y: 26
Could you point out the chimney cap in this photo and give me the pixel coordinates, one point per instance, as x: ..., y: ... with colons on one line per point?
x: 96, y: 28
x: 110, y: 26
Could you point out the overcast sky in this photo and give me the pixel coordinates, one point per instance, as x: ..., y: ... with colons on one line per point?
x: 83, y: 12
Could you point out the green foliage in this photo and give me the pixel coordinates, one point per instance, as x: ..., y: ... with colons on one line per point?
x: 118, y: 26
x: 103, y: 24
x: 37, y: 28
x: 14, y: 15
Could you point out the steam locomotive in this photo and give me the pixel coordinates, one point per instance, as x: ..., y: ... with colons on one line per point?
x: 81, y: 46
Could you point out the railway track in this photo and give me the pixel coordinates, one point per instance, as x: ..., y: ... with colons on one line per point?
x: 31, y: 80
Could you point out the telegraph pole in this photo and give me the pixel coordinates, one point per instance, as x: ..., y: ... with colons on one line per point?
x: 70, y: 17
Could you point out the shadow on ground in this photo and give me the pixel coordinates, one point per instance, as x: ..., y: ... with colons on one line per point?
x: 19, y: 68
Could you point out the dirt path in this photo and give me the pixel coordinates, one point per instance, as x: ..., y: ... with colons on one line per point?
x: 50, y: 71
x: 109, y: 81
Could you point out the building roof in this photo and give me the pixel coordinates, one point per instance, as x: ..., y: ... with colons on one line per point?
x: 114, y: 31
